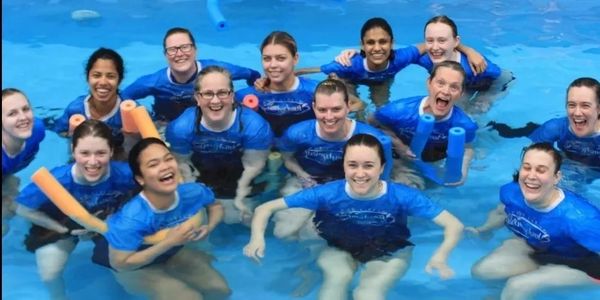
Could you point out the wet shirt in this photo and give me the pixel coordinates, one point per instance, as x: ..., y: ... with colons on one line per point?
x: 282, y: 109
x: 571, y: 229
x: 14, y: 164
x: 367, y: 229
x: 321, y: 158
x: 107, y: 194
x: 479, y: 82
x: 172, y: 98
x: 402, y: 116
x: 359, y: 73
x: 582, y: 149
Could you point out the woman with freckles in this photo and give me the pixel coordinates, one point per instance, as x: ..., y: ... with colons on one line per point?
x: 364, y: 221
x: 401, y: 117
x: 21, y: 138
x: 557, y: 241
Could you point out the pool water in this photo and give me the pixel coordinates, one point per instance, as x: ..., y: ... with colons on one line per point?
x: 546, y: 44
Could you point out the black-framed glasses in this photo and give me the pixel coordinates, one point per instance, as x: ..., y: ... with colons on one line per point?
x: 209, y: 95
x: 185, y: 48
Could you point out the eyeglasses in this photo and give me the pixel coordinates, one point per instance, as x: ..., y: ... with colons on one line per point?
x: 185, y: 48
x: 209, y: 95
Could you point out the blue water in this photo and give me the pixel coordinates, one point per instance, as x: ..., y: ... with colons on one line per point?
x: 546, y: 44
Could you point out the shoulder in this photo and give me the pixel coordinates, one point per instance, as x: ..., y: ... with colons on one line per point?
x: 308, y: 84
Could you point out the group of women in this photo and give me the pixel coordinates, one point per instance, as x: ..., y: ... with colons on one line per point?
x: 349, y: 184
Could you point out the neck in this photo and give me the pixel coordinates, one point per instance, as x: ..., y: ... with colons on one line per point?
x: 183, y: 77
x: 548, y: 200
x: 101, y: 109
x: 377, y: 68
x: 159, y: 200
x: 11, y: 145
x: 285, y: 85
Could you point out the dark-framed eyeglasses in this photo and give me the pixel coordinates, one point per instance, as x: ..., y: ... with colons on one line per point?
x: 185, y: 48
x: 209, y: 95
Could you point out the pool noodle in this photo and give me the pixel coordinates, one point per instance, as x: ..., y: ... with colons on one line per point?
x: 74, y: 121
x: 143, y: 122
x: 251, y: 101
x: 455, y: 153
x: 72, y: 208
x: 215, y: 14
x: 424, y: 128
x: 127, y: 107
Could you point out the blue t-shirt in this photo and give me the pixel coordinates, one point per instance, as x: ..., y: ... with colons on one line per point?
x: 359, y: 74
x: 137, y: 219
x: 582, y: 149
x: 571, y: 229
x: 11, y: 165
x: 107, y: 194
x: 286, y: 108
x: 172, y: 98
x: 481, y: 82
x: 218, y: 155
x: 323, y: 159
x: 367, y: 229
x: 402, y: 116
x: 81, y: 106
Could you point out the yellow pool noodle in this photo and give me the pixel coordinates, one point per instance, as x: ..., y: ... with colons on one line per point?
x: 143, y: 122
x: 72, y: 208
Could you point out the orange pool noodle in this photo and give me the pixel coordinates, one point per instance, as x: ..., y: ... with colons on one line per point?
x: 65, y: 201
x: 74, y: 121
x: 250, y: 101
x: 127, y: 107
x: 143, y: 122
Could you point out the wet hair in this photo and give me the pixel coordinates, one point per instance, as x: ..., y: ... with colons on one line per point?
x: 330, y: 86
x: 108, y: 54
x: 12, y: 91
x: 280, y: 38
x: 544, y: 147
x: 210, y: 70
x: 376, y: 23
x: 444, y: 20
x: 175, y: 30
x: 134, y: 153
x: 94, y: 128
x: 450, y: 65
x: 363, y: 139
x: 589, y: 83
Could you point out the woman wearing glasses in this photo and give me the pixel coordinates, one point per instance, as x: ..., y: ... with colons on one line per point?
x: 227, y: 143
x: 173, y: 87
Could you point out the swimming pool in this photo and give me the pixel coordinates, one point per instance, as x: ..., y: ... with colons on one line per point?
x: 546, y: 44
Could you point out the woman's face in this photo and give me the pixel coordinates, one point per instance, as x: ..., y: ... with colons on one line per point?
x: 278, y: 63
x: 219, y: 107
x: 17, y: 117
x: 158, y: 169
x: 362, y: 169
x: 92, y: 156
x: 536, y: 176
x: 444, y: 89
x: 583, y: 111
x: 377, y: 45
x: 440, y: 42
x: 331, y: 112
x: 183, y: 59
x: 103, y: 81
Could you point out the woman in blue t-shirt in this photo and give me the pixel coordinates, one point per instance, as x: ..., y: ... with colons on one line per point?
x: 558, y: 231
x: 364, y: 221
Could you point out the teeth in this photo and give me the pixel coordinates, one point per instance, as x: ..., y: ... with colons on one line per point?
x: 532, y: 185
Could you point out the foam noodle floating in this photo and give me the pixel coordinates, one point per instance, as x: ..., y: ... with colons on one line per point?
x: 251, y: 101
x: 127, y: 107
x: 424, y: 128
x: 72, y: 208
x: 74, y: 121
x: 455, y: 153
x: 84, y: 14
x: 215, y: 14
x: 143, y: 122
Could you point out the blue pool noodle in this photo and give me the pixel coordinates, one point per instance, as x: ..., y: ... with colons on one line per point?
x: 424, y: 128
x: 215, y: 14
x: 455, y: 153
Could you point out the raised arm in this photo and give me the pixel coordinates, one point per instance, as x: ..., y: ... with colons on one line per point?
x: 255, y: 249
x: 304, y: 71
x: 452, y: 233
x: 253, y: 161
x: 476, y: 60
